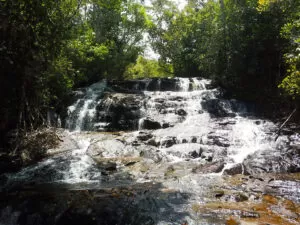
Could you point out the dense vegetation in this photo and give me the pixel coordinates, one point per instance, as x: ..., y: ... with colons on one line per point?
x: 47, y: 48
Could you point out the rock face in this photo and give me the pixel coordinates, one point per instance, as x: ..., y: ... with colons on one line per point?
x: 150, y: 124
x: 119, y: 112
x: 224, y: 108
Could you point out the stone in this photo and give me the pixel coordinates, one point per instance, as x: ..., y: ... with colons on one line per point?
x: 168, y: 142
x: 195, y: 154
x: 153, y: 142
x: 106, y: 148
x: 219, y: 193
x: 144, y: 136
x: 194, y: 140
x: 166, y: 125
x: 108, y: 166
x: 119, y: 111
x: 236, y: 169
x: 181, y: 112
x: 151, y: 125
x: 214, y: 167
x: 241, y: 197
x: 218, y: 140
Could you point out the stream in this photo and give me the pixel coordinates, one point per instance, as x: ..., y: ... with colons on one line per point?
x: 159, y: 151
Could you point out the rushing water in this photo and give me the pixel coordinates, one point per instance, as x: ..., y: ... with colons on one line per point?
x: 166, y: 142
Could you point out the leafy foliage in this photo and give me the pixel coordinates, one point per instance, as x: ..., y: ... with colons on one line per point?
x: 291, y: 31
x: 148, y: 68
x: 47, y: 48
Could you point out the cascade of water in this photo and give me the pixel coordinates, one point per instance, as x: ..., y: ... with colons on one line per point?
x: 81, y: 114
x: 246, y: 137
x: 184, y: 84
x: 82, y: 166
x: 190, y: 123
x: 187, y: 137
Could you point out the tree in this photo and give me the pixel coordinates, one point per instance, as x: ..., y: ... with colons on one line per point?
x: 291, y: 31
x: 147, y: 68
x: 119, y: 25
x: 32, y: 33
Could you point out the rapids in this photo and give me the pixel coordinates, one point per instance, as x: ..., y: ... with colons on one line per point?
x: 157, y: 151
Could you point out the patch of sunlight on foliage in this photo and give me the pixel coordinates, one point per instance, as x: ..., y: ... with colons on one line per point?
x: 264, y: 4
x: 291, y: 83
x: 148, y: 68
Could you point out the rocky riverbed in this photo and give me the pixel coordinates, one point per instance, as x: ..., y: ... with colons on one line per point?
x: 169, y: 151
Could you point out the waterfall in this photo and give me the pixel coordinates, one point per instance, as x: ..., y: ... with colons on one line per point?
x: 82, y: 112
x: 152, y: 151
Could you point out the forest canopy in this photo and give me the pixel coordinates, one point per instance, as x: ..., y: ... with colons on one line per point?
x: 251, y: 48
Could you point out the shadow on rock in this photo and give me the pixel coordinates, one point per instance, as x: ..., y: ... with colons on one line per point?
x: 133, y: 204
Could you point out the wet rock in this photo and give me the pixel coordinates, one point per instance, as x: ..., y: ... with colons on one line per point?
x: 218, y: 140
x: 107, y: 165
x: 209, y: 158
x: 160, y: 100
x: 257, y: 122
x: 166, y: 125
x: 130, y: 161
x: 241, y: 197
x: 236, y: 169
x: 219, y: 193
x: 195, y: 154
x: 207, y: 153
x: 163, y: 111
x: 194, y: 140
x: 287, y: 189
x: 295, y: 142
x: 151, y: 125
x: 228, y: 122
x: 215, y: 167
x: 285, y: 212
x: 168, y: 142
x: 218, y: 107
x: 119, y: 111
x: 177, y: 98
x: 153, y: 142
x: 106, y: 148
x: 144, y: 136
x: 273, y: 161
x: 169, y: 172
x: 135, y: 143
x: 150, y: 152
x: 184, y: 150
x: 181, y: 112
